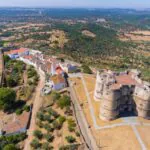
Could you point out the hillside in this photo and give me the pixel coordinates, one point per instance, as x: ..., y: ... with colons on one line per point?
x: 116, y: 39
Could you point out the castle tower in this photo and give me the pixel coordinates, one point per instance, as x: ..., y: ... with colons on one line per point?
x: 99, y: 87
x: 103, y: 81
x: 142, y: 100
x: 109, y: 109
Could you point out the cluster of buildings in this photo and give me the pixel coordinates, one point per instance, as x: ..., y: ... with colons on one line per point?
x: 121, y: 93
x: 56, y: 79
x: 55, y: 69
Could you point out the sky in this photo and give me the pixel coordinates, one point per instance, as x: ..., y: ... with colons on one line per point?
x: 78, y: 3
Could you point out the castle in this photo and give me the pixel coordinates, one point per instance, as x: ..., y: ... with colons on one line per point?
x: 122, y: 92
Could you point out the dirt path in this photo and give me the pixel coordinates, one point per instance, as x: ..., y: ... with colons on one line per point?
x: 36, y: 105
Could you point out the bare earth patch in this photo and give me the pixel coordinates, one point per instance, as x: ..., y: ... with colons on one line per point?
x: 136, y: 36
x: 88, y: 33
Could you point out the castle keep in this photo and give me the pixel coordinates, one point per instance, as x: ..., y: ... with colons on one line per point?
x: 122, y: 92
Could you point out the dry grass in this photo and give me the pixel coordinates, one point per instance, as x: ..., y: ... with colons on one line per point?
x: 119, y: 138
x: 141, y: 32
x: 142, y: 120
x: 136, y: 36
x: 58, y: 38
x: 144, y: 132
x: 79, y: 90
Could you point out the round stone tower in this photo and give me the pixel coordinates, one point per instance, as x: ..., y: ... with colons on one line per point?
x: 109, y: 109
x: 142, y: 100
x: 103, y: 80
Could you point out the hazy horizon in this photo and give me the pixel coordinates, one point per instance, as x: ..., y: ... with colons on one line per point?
x: 136, y: 4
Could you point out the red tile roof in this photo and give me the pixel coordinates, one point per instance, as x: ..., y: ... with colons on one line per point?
x: 17, y: 51
x: 125, y: 79
x: 59, y: 70
x: 18, y: 123
x: 28, y: 57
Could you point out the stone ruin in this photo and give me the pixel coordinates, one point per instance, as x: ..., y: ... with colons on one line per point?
x: 122, y: 92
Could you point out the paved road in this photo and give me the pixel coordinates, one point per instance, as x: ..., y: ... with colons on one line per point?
x: 88, y: 137
x: 36, y: 105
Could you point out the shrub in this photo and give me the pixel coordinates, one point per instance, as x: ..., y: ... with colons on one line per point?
x: 56, y: 125
x: 18, y: 111
x: 11, y: 82
x: 69, y: 147
x: 53, y: 113
x: 38, y: 134
x: 77, y: 133
x: 15, y: 138
x: 68, y: 111
x: 86, y: 69
x: 30, y: 82
x: 40, y: 124
x: 55, y: 96
x: 61, y: 119
x: 40, y: 116
x: 71, y: 125
x: 70, y: 139
x: 46, y: 146
x: 26, y: 108
x: 10, y: 147
x: 48, y: 127
x: 7, y: 98
x: 71, y: 129
x: 35, y: 143
x: 49, y: 137
x: 64, y: 101
x: 31, y: 72
x: 48, y: 118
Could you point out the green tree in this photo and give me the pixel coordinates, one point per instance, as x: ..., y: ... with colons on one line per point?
x: 70, y: 139
x: 64, y: 101
x: 38, y: 134
x: 86, y: 69
x: 35, y: 143
x: 46, y: 146
x: 6, y: 58
x: 7, y: 98
x: 49, y: 137
x: 10, y: 81
x: 10, y: 147
x: 55, y: 96
x: 71, y: 125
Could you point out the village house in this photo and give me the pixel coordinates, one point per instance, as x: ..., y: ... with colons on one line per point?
x: 68, y: 68
x: 58, y: 82
x: 18, y: 124
x: 13, y: 54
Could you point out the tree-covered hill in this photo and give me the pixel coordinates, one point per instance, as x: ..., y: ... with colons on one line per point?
x: 105, y: 50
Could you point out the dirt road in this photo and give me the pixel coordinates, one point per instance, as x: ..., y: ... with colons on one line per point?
x: 36, y: 105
